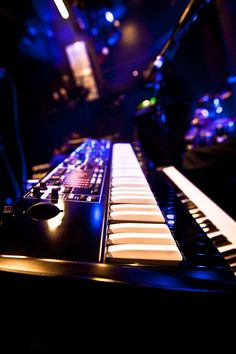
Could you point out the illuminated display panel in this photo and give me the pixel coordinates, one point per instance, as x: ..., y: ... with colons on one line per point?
x: 81, y: 68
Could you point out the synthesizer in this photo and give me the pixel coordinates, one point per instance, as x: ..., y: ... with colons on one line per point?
x: 102, y: 216
x: 217, y: 224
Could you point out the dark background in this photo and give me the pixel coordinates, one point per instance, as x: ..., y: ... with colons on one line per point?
x: 33, y: 37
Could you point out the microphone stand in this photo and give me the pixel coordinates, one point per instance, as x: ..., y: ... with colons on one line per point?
x: 170, y: 48
x: 165, y: 56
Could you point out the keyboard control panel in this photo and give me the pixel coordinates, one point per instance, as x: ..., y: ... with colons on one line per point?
x: 79, y: 178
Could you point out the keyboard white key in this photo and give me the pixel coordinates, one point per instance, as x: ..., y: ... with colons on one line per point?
x: 134, y: 215
x: 130, y: 189
x: 136, y: 199
x: 145, y: 252
x: 139, y: 227
x: 122, y: 182
x: 125, y: 191
x: 126, y: 172
x: 214, y: 234
x: 138, y: 207
x: 225, y: 248
x: 143, y: 238
x: 128, y: 192
x: 193, y: 211
x: 201, y: 219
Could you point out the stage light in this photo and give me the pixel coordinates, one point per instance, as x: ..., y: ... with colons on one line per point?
x: 109, y: 16
x: 62, y: 9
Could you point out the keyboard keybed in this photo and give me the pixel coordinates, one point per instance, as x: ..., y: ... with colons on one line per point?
x: 219, y: 227
x: 137, y: 230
